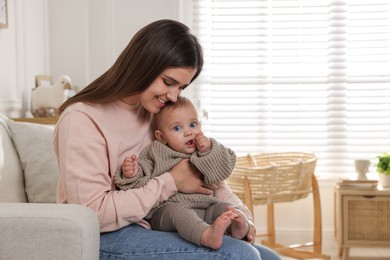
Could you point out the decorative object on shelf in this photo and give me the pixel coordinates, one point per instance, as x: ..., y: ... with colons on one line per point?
x: 46, y: 98
x: 361, y: 167
x: 3, y: 14
x: 383, y: 168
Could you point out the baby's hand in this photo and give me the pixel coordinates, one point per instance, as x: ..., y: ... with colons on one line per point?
x: 130, y: 166
x: 203, y: 143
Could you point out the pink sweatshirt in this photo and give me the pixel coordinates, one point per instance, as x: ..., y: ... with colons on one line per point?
x: 91, y: 142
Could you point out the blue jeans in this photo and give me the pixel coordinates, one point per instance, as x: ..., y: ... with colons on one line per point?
x: 136, y: 242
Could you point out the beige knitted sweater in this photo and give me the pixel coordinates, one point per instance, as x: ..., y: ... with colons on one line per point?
x: 157, y: 158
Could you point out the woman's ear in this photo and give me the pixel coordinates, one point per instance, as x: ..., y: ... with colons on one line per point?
x: 160, y: 136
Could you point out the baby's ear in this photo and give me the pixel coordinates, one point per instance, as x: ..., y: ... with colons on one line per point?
x: 160, y: 136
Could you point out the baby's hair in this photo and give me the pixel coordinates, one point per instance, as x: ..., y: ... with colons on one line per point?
x: 169, y: 106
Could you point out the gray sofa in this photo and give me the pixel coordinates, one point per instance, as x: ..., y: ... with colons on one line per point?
x: 32, y: 226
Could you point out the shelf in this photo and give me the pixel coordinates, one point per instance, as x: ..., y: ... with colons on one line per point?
x: 38, y: 120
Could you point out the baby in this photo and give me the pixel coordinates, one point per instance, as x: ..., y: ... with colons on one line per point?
x: 198, y: 218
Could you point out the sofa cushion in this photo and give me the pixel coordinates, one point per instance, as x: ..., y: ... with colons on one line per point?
x: 11, y: 172
x: 34, y: 144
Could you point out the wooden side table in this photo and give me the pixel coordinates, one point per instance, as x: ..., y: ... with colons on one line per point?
x: 362, y: 218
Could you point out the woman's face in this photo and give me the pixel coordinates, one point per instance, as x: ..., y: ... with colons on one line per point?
x: 166, y: 87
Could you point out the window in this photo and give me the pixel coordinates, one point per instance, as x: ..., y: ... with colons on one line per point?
x: 297, y: 76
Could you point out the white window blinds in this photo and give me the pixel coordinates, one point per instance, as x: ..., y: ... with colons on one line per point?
x: 297, y: 76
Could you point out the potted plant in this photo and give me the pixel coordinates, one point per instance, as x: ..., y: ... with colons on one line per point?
x: 383, y: 168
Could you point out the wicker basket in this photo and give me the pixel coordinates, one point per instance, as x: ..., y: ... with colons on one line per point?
x: 273, y: 177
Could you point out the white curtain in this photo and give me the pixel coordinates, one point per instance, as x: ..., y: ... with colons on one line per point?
x: 290, y: 75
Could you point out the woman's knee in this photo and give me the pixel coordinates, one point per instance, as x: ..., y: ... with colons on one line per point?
x: 267, y: 253
x: 238, y: 249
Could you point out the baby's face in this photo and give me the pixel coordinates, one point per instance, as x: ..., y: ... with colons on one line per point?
x: 179, y: 128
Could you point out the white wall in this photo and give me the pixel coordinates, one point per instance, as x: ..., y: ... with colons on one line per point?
x: 82, y: 38
x: 23, y: 54
x: 95, y: 33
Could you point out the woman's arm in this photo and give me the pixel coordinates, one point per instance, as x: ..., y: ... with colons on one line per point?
x: 84, y: 162
x: 86, y: 158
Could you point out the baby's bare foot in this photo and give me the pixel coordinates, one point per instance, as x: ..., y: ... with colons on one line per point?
x: 213, y: 236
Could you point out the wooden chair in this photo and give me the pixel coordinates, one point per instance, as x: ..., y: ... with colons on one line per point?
x: 270, y: 178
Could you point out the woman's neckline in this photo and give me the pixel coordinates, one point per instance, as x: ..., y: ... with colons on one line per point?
x: 128, y: 106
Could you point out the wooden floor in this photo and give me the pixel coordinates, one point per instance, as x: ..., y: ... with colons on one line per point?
x: 358, y: 254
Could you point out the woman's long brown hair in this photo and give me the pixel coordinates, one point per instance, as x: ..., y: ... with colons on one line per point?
x: 157, y: 46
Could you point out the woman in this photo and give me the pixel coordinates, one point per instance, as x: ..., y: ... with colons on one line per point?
x: 111, y: 119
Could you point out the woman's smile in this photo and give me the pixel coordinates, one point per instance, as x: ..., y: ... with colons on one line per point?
x: 161, y: 100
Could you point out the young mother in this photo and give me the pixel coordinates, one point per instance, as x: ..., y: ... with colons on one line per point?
x: 111, y: 119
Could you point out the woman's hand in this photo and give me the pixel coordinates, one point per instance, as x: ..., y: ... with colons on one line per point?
x: 242, y: 227
x: 251, y: 235
x: 188, y: 178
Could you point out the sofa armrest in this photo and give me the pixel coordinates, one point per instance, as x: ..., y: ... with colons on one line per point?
x: 48, y: 231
